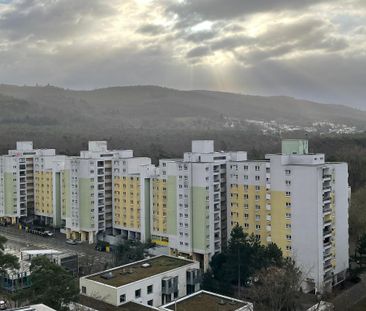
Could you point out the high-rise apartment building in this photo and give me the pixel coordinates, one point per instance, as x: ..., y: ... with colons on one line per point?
x: 104, y: 192
x: 298, y: 201
x: 86, y: 184
x: 47, y: 189
x: 17, y: 181
x: 131, y: 196
x: 189, y: 202
x: 294, y: 199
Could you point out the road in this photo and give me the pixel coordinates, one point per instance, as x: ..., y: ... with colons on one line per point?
x: 350, y: 297
x: 20, y: 240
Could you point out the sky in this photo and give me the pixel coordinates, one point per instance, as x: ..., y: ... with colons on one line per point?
x: 312, y: 49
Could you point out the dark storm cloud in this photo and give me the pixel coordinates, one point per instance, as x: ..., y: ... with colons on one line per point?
x: 218, y: 9
x: 150, y: 29
x: 43, y: 19
x: 199, y: 52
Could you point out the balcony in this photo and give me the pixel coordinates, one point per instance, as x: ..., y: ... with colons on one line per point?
x: 326, y: 209
x: 327, y: 233
x: 169, y: 285
x: 194, y: 276
x: 327, y: 255
x: 328, y: 268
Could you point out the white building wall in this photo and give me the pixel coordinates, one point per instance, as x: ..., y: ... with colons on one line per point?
x: 341, y: 213
x: 112, y: 294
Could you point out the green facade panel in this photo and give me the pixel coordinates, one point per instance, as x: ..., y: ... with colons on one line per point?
x: 172, y: 205
x: 295, y: 146
x: 85, y: 192
x: 199, y: 213
x: 10, y: 196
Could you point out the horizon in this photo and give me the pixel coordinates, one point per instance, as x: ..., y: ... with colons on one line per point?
x: 178, y: 89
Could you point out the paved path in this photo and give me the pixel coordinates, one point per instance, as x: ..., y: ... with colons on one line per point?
x: 347, y: 299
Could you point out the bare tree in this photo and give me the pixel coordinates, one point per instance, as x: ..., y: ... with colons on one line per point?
x: 277, y: 288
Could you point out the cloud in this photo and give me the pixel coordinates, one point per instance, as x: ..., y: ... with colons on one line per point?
x: 47, y: 19
x: 150, y: 29
x: 199, y: 52
x: 218, y: 9
x: 309, y: 49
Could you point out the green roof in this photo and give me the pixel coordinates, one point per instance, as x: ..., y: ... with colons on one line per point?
x: 102, y: 306
x: 130, y: 273
x: 205, y: 301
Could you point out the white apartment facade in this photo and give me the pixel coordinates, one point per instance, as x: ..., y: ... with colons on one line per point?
x: 151, y: 282
x: 300, y: 202
x: 17, y: 181
x: 192, y: 203
x: 47, y: 188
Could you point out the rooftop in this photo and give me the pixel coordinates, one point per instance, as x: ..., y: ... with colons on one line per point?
x: 139, y: 270
x: 207, y: 301
x: 102, y: 306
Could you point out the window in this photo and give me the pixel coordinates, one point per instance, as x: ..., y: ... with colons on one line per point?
x: 288, y: 237
x: 245, y: 177
x: 257, y: 177
x: 257, y: 188
x: 137, y: 293
x: 288, y: 204
x: 288, y: 215
x: 245, y: 167
x: 257, y: 227
x: 287, y: 172
x: 288, y: 226
x: 149, y: 289
x: 257, y: 197
x: 257, y: 217
x: 150, y: 302
x: 288, y: 193
x: 122, y: 298
x: 83, y: 289
x: 288, y: 182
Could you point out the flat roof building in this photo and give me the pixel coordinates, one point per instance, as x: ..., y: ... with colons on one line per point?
x: 154, y: 281
x: 207, y: 301
x: 91, y: 304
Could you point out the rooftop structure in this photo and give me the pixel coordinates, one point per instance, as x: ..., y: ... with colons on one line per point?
x: 207, y: 301
x: 152, y: 282
x: 96, y: 305
x: 14, y: 279
x: 139, y: 270
x: 38, y: 307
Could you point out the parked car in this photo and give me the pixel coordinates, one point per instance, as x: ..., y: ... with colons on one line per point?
x: 71, y: 242
x: 3, y: 304
x: 48, y: 233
